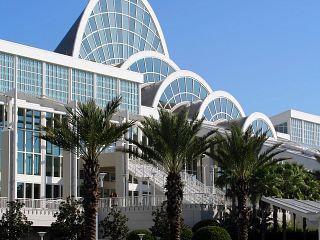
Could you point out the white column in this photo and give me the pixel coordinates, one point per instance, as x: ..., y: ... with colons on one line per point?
x: 126, y: 163
x: 212, y: 178
x: 204, y: 175
x: 15, y: 132
x: 43, y: 159
x: 154, y: 188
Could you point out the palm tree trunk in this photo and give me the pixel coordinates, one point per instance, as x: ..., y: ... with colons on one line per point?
x: 254, y: 217
x: 174, y: 195
x: 243, y: 222
x: 90, y: 198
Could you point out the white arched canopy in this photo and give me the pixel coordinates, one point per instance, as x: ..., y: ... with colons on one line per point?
x: 180, y: 86
x: 220, y: 105
x: 111, y: 31
x: 153, y: 65
x: 260, y: 121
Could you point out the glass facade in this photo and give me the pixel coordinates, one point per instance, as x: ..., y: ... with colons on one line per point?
x: 261, y: 125
x: 106, y: 89
x: 29, y: 76
x: 130, y: 96
x: 54, y: 158
x: 154, y: 69
x: 29, y: 150
x: 82, y: 85
x: 57, y: 78
x: 28, y: 190
x: 305, y: 132
x: 296, y: 130
x: 6, y: 72
x: 118, y: 29
x: 221, y: 108
x: 282, y: 127
x: 32, y: 75
x: 182, y: 90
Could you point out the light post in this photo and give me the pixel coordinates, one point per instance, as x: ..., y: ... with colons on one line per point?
x: 212, y: 178
x: 141, y: 235
x: 154, y: 187
x: 101, y: 178
x: 41, y: 234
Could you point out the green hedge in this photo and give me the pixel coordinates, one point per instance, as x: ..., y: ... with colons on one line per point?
x: 204, y: 223
x: 186, y: 233
x: 133, y: 235
x: 211, y: 232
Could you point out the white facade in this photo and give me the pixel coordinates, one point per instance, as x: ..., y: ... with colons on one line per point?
x: 110, y: 50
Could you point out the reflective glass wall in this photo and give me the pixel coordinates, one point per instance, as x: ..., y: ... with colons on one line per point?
x: 305, y: 132
x: 65, y: 84
x: 118, y: 29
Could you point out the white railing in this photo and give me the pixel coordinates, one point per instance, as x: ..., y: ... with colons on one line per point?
x: 150, y: 200
x: 195, y: 191
x: 47, y: 203
x: 131, y: 201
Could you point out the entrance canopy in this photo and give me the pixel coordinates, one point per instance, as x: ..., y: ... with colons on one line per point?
x: 304, y: 208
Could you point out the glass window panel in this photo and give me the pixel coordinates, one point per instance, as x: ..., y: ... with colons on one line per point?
x: 49, y: 166
x: 29, y: 119
x: 182, y: 84
x: 20, y: 190
x: 29, y: 141
x: 21, y: 141
x: 48, y: 191
x: 29, y: 164
x: 189, y: 85
x: 56, y: 150
x: 20, y: 163
x: 37, y: 142
x: 56, y: 167
x: 56, y: 191
x: 149, y: 64
x: 28, y: 190
x: 37, y: 164
x: 36, y: 191
x: 21, y: 118
x: 48, y: 147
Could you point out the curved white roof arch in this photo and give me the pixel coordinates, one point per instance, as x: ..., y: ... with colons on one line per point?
x: 259, y: 116
x: 174, y: 76
x: 217, y: 94
x: 85, y: 18
x: 149, y: 54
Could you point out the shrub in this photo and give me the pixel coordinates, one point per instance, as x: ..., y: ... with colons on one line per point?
x: 115, y: 225
x: 133, y: 235
x: 161, y: 223
x: 211, y: 232
x: 186, y: 233
x: 69, y: 222
x: 204, y: 223
x: 14, y: 223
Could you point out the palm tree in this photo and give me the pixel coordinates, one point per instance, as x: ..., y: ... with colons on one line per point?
x: 242, y: 156
x: 173, y: 142
x: 88, y: 130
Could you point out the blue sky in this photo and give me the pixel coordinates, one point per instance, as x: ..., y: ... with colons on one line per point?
x: 266, y: 53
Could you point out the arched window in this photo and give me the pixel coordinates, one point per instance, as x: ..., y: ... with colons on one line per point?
x: 118, y: 29
x: 183, y: 89
x: 221, y: 108
x: 261, y: 126
x: 154, y: 69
